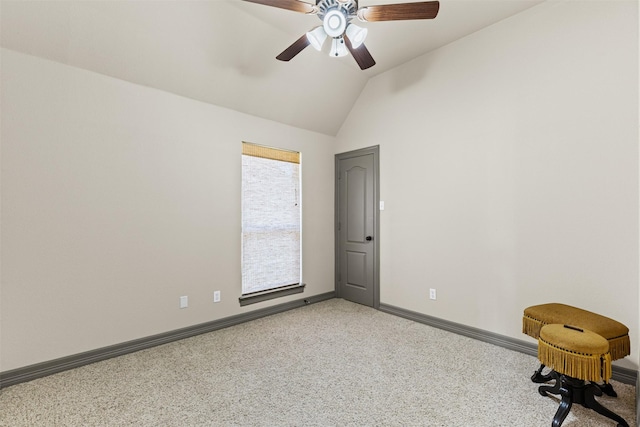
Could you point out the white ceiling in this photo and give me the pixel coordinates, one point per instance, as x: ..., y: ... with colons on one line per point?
x: 223, y: 51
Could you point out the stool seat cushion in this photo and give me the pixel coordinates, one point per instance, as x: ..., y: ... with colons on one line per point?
x: 580, y: 341
x: 535, y: 317
x: 575, y: 352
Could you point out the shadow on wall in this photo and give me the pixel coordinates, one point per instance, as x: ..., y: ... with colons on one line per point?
x: 410, y: 74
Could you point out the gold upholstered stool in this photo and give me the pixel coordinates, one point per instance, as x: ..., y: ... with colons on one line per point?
x: 579, y: 357
x: 617, y: 334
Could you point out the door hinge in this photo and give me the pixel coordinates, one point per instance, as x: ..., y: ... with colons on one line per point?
x: 339, y: 226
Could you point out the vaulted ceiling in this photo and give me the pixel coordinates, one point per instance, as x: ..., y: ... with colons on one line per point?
x: 223, y: 52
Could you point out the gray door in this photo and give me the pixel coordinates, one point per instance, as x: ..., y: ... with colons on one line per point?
x: 356, y: 236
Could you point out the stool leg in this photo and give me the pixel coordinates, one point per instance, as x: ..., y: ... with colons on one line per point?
x: 554, y: 389
x: 539, y: 377
x: 590, y: 401
x: 607, y: 389
x: 566, y: 390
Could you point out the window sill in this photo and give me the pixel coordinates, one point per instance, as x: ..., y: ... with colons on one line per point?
x: 256, y: 297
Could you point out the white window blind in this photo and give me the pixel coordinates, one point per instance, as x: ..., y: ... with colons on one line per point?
x: 271, y: 218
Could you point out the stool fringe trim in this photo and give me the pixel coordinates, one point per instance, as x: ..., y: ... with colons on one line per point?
x: 589, y: 367
x: 619, y: 347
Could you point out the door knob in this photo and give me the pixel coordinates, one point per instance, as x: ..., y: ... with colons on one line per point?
x: 368, y: 238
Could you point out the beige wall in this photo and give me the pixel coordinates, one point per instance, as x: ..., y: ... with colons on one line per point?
x: 117, y: 199
x: 509, y: 169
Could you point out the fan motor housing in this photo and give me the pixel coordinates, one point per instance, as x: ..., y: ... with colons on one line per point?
x: 347, y: 8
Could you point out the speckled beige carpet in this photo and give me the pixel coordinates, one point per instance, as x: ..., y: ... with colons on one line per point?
x: 328, y: 364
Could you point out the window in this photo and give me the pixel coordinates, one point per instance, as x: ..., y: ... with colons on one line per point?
x: 271, y: 223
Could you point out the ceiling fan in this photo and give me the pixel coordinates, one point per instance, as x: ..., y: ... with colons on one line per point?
x: 336, y: 16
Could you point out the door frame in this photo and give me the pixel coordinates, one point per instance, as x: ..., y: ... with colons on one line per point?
x: 375, y: 150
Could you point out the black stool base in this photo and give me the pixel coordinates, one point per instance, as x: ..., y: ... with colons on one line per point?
x: 574, y: 390
x: 539, y: 378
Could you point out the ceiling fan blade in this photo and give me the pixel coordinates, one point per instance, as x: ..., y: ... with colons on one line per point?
x: 294, y: 49
x: 401, y: 11
x: 361, y: 54
x: 294, y: 5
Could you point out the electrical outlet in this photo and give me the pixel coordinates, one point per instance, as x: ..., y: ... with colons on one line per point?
x: 216, y: 296
x: 432, y: 293
x: 184, y: 302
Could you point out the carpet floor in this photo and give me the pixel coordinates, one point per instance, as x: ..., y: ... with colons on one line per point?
x: 334, y: 363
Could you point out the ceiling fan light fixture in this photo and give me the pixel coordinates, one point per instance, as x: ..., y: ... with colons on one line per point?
x: 338, y: 47
x: 317, y: 37
x: 356, y: 35
x: 334, y: 23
